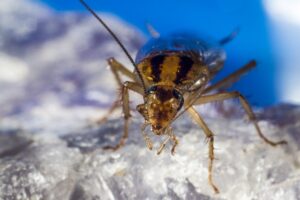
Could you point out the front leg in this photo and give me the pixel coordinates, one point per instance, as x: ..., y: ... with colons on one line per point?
x: 116, y: 68
x: 147, y: 139
x: 174, y: 139
x: 126, y: 111
x: 210, y: 137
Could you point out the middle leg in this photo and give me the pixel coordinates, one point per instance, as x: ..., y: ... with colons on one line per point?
x: 246, y: 106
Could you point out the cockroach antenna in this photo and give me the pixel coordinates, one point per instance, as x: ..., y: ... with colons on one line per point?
x: 116, y: 39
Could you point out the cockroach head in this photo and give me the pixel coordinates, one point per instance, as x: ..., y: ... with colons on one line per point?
x: 161, y: 106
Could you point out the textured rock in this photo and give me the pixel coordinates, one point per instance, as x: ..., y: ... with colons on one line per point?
x: 73, y: 165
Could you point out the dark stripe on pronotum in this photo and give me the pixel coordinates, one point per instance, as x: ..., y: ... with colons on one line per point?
x: 156, y: 63
x: 185, y: 65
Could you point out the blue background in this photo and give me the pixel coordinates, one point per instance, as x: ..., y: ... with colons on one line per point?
x: 216, y: 18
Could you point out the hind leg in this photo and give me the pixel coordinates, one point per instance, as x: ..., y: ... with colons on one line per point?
x: 231, y: 78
